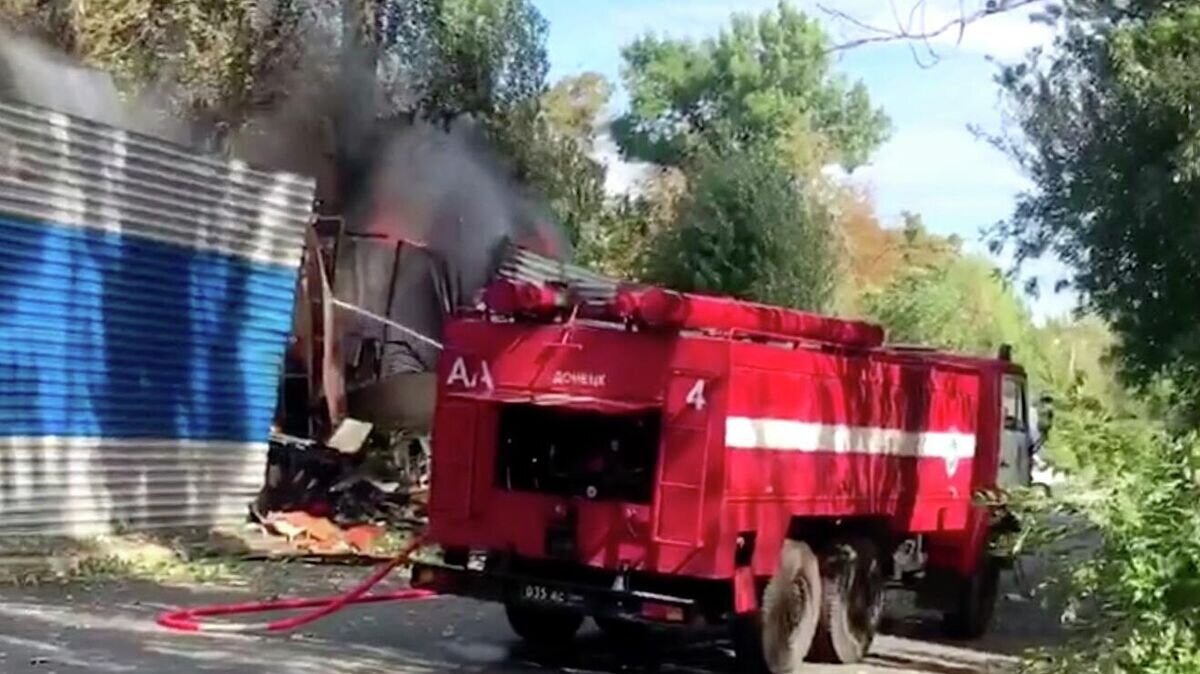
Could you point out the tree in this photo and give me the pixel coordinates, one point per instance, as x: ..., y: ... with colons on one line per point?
x: 551, y: 147
x: 1108, y: 135
x: 439, y: 60
x: 574, y: 105
x: 1079, y: 356
x: 873, y: 255
x: 621, y: 242
x: 747, y: 120
x: 746, y: 230
x: 764, y: 79
x: 224, y: 59
x: 559, y: 169
x: 485, y: 58
x: 961, y: 304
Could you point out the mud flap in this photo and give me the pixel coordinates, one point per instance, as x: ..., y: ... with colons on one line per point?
x: 745, y: 591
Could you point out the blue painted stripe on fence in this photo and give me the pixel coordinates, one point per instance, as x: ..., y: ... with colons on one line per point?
x: 117, y: 336
x: 22, y: 236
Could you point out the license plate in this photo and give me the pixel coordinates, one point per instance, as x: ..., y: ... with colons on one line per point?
x: 541, y: 594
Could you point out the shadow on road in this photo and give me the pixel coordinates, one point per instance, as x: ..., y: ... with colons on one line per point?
x: 110, y: 628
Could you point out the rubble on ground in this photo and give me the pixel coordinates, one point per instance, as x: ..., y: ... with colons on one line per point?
x: 340, y: 497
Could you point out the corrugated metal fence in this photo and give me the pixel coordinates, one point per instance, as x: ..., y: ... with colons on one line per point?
x: 145, y: 303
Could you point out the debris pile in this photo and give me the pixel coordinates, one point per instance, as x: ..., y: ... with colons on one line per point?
x: 340, y: 496
x: 318, y: 535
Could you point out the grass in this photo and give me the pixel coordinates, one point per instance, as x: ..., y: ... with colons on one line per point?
x: 187, y: 557
x: 198, y: 557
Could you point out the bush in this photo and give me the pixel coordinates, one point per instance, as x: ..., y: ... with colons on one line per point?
x: 1140, y: 593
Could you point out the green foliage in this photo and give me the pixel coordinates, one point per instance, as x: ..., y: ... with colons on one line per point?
x: 749, y: 118
x: 558, y: 168
x: 1109, y: 137
x: 554, y: 153
x: 1079, y: 355
x: 620, y: 244
x: 485, y: 57
x: 763, y: 79
x: 616, y: 243
x: 1111, y: 141
x: 226, y: 62
x: 574, y: 105
x: 960, y: 304
x: 1137, y: 598
x: 746, y: 230
x: 225, y: 56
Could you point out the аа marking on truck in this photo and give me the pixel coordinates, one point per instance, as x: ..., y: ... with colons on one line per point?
x: 459, y: 374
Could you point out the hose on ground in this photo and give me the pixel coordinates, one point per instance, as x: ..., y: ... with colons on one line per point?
x: 189, y: 620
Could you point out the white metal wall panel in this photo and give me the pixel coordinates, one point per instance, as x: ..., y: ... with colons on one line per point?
x: 145, y: 302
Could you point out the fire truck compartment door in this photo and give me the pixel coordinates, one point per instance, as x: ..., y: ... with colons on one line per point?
x: 683, y: 461
x: 1015, y: 440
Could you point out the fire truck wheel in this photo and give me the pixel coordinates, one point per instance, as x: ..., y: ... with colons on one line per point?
x: 976, y: 602
x: 851, y: 601
x: 791, y: 609
x: 539, y: 626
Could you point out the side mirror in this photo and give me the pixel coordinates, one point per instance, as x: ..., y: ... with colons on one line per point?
x: 1045, y: 415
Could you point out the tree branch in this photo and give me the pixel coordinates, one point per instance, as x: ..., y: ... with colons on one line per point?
x: 908, y: 31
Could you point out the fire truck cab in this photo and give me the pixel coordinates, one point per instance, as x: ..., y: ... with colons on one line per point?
x: 673, y: 459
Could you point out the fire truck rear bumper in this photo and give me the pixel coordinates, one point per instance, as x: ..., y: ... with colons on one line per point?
x: 589, y: 600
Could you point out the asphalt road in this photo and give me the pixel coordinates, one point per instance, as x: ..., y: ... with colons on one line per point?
x: 110, y: 628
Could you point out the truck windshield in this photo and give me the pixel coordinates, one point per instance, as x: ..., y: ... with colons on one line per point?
x: 569, y: 452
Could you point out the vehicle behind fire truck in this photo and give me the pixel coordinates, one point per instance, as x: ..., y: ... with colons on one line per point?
x: 653, y: 457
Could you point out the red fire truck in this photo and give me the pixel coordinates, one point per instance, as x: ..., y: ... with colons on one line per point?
x: 666, y: 458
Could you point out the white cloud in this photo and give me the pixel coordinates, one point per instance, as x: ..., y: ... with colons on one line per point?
x: 940, y: 156
x: 622, y: 177
x: 957, y: 182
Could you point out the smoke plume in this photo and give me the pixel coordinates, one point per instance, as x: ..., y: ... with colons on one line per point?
x: 440, y: 193
x: 448, y: 202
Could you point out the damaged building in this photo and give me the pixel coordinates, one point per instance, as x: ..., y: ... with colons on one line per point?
x: 168, y: 313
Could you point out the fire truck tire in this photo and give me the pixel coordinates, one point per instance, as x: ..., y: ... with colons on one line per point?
x: 976, y: 602
x: 791, y: 609
x: 545, y: 627
x: 851, y: 601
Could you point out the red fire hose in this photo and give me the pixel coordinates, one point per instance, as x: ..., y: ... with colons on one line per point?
x: 187, y: 620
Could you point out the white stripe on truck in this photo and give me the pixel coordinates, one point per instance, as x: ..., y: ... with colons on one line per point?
x: 803, y: 436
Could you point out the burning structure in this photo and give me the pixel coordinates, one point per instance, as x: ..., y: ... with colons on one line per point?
x: 419, y: 240
x: 408, y: 225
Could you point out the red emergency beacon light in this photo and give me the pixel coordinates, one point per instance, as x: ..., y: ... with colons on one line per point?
x: 643, y: 456
x: 524, y: 299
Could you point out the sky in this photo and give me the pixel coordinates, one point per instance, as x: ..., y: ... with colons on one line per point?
x: 932, y: 165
